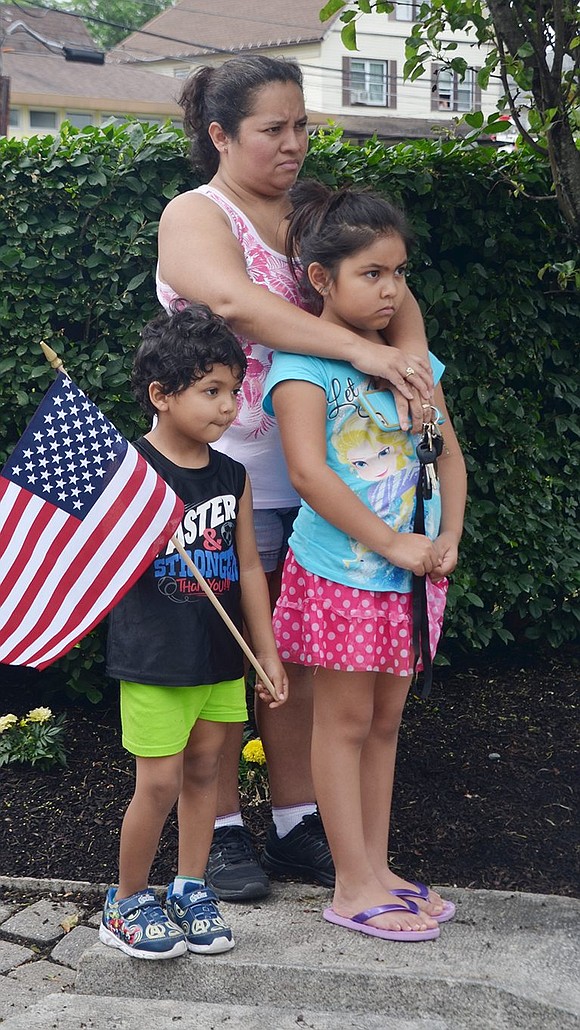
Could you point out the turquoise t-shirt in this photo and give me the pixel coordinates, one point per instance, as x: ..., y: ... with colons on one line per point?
x: 378, y: 464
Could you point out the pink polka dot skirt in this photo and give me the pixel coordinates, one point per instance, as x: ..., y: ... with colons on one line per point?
x: 318, y: 622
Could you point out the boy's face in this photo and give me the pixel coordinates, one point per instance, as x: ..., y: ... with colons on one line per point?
x: 203, y: 412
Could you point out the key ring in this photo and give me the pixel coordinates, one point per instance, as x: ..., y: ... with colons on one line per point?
x: 435, y: 414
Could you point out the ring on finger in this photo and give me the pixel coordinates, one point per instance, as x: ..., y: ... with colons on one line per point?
x: 409, y: 372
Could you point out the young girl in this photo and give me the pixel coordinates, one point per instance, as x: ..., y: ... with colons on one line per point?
x: 346, y: 602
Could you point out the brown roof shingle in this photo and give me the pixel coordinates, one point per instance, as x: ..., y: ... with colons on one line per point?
x: 202, y: 27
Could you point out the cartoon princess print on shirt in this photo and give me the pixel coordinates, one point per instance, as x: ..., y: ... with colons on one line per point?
x: 386, y: 461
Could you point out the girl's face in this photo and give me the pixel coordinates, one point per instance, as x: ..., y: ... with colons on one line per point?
x: 271, y: 144
x: 369, y: 286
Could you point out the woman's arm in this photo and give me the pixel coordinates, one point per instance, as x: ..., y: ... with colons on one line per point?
x: 300, y: 409
x: 453, y: 480
x: 200, y: 259
x: 256, y: 603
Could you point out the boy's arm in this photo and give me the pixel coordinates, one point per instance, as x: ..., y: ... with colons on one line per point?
x: 453, y: 480
x: 256, y: 603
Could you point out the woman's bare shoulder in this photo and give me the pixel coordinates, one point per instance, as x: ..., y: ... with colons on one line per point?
x: 191, y: 204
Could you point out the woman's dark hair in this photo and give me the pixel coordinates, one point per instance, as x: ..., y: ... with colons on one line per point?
x: 327, y: 225
x: 225, y: 94
x: 180, y: 347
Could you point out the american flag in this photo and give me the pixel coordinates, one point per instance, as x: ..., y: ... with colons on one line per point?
x: 82, y: 514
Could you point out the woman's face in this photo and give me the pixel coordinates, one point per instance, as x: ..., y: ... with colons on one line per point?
x: 272, y: 141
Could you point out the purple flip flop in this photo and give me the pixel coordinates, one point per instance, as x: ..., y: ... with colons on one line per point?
x: 360, y: 923
x: 423, y: 893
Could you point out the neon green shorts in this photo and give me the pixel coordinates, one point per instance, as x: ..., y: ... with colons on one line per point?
x: 157, y: 721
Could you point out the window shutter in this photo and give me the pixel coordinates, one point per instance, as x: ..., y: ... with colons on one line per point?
x: 476, y: 92
x: 435, y: 68
x: 392, y: 84
x: 346, y: 82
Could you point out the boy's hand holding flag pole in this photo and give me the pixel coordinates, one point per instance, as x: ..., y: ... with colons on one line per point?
x: 82, y: 515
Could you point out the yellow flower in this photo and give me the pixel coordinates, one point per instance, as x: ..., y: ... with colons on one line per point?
x: 254, y: 752
x: 39, y: 715
x: 6, y: 721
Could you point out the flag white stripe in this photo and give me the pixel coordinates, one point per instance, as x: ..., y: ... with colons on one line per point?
x: 26, y: 521
x: 107, y: 596
x: 63, y: 560
x: 36, y: 556
x: 102, y: 555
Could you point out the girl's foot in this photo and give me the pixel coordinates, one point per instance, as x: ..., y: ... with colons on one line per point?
x: 405, y: 916
x: 433, y: 905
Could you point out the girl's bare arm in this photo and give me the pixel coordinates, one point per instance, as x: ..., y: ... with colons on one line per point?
x: 300, y: 409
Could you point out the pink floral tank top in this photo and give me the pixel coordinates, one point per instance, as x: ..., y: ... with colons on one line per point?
x: 253, y: 439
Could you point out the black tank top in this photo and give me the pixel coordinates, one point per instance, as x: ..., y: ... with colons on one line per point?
x: 165, y: 631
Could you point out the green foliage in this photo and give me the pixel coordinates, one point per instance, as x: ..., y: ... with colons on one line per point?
x: 78, y: 228
x: 78, y: 224
x: 507, y: 330
x: 110, y: 21
x: 36, y: 739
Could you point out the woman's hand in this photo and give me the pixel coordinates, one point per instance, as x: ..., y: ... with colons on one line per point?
x: 408, y: 376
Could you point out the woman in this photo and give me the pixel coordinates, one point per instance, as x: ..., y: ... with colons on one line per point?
x: 223, y: 244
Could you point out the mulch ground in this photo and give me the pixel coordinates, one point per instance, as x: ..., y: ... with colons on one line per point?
x: 485, y: 794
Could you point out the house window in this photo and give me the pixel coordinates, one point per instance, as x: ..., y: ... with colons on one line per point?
x: 407, y: 10
x: 79, y: 119
x: 43, y: 119
x: 14, y: 117
x: 369, y: 83
x: 450, y: 93
x: 181, y: 73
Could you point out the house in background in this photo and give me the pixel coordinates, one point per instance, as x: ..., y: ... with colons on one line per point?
x: 363, y: 91
x: 46, y: 89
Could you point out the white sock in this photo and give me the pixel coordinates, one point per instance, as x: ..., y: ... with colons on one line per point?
x: 233, y: 819
x: 285, y: 819
x: 182, y: 883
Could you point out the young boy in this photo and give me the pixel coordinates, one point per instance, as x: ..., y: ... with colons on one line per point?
x: 181, y: 671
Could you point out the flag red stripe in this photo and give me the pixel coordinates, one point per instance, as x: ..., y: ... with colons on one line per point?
x: 124, y: 549
x: 39, y: 662
x: 65, y: 583
x: 25, y: 556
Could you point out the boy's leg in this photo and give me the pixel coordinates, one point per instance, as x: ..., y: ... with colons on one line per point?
x: 157, y: 785
x: 190, y: 904
x: 197, y: 803
x: 133, y: 921
x: 343, y: 718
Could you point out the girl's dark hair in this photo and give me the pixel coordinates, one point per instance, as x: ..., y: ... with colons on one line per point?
x: 327, y: 225
x: 180, y: 347
x: 225, y: 94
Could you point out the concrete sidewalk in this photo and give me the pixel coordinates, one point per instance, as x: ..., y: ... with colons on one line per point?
x: 507, y: 961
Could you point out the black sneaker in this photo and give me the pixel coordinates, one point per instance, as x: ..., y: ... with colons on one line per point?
x: 233, y: 870
x: 302, y: 854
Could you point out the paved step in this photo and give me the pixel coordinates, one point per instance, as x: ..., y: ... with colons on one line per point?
x: 508, y: 961
x: 70, y: 1012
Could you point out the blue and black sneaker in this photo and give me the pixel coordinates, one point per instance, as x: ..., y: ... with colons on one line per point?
x: 197, y: 914
x: 139, y: 927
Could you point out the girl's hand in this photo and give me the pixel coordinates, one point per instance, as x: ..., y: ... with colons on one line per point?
x: 275, y: 671
x: 414, y: 552
x: 447, y: 552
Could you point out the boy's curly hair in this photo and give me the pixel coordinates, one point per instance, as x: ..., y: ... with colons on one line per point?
x: 180, y: 347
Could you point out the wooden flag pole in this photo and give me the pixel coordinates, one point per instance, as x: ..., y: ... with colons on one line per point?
x: 231, y: 626
x: 57, y: 363
x: 52, y: 357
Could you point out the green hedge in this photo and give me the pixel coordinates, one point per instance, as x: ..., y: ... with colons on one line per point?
x: 78, y: 220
